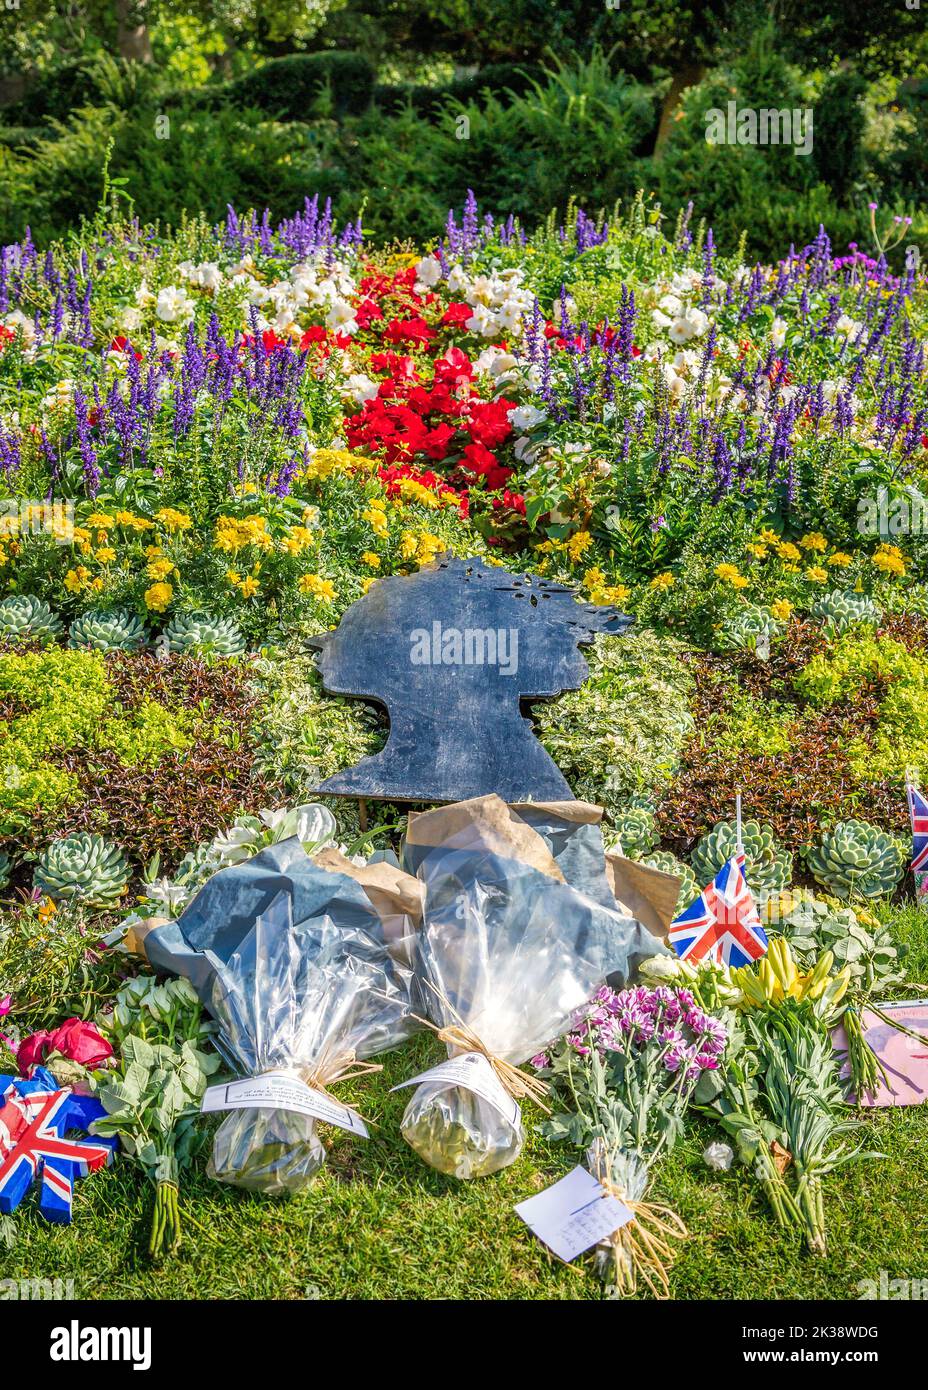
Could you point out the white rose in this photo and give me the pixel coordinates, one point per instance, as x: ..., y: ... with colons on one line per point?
x: 428, y: 270
x: 526, y: 417
x: 173, y: 304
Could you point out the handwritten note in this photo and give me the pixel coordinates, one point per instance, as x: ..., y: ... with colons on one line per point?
x: 573, y: 1214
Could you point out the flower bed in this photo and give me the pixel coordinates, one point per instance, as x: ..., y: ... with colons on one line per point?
x: 213, y: 441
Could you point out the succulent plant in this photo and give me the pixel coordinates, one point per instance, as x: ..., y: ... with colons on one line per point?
x: 85, y: 867
x: 24, y: 618
x: 204, y: 634
x: 670, y: 864
x: 840, y: 610
x: 115, y: 631
x: 856, y: 939
x: 312, y: 824
x: 750, y: 629
x: 767, y: 866
x: 854, y: 859
x: 632, y: 831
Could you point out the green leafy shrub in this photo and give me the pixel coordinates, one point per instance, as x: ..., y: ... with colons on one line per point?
x: 853, y: 665
x: 288, y: 87
x: 621, y: 734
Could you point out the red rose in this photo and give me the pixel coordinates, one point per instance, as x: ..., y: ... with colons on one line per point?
x: 74, y: 1039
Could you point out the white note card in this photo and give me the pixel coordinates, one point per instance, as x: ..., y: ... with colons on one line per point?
x: 278, y: 1091
x: 573, y: 1214
x: 472, y: 1071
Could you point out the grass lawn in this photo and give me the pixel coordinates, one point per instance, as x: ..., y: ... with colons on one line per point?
x: 377, y: 1223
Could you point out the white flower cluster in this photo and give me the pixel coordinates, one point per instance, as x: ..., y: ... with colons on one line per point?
x: 308, y: 287
x: 499, y: 300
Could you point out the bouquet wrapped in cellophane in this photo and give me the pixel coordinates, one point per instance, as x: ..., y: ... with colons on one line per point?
x: 507, y: 954
x: 300, y: 1008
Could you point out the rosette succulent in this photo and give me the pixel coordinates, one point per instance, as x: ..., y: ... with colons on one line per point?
x: 854, y: 859
x: 632, y: 831
x: 205, y: 635
x: 115, y: 631
x: 670, y: 864
x: 751, y: 627
x: 767, y: 866
x: 27, y: 619
x: 85, y: 867
x: 839, y: 610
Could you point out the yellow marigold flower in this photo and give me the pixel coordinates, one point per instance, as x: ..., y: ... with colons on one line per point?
x: 578, y: 544
x: 814, y: 540
x: 594, y: 578
x: 769, y: 537
x: 97, y: 583
x: 81, y: 535
x: 233, y: 577
x: 791, y: 569
x: 840, y: 558
x: 158, y: 597
x: 888, y: 563
x: 757, y: 550
x: 817, y: 574
x: 76, y: 579
x: 663, y: 581
x: 151, y: 551
x: 409, y: 544
x: 106, y: 555
x: 728, y: 573
x: 429, y: 547
x: 609, y: 593
x: 886, y: 549
x: 371, y: 559
x: 159, y: 568
x: 249, y: 586
x: 739, y: 582
x: 173, y: 520
x: 125, y: 519
x: 366, y: 583
x: 787, y: 551
x: 781, y: 609
x: 378, y: 504
x: 99, y: 521
x: 321, y: 588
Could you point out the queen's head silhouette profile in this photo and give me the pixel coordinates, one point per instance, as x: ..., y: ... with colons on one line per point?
x: 451, y: 653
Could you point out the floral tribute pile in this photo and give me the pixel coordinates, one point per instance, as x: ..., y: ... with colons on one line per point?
x: 214, y: 440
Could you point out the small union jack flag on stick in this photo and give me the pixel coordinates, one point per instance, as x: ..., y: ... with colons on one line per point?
x: 722, y: 924
x: 918, y: 812
x: 35, y: 1116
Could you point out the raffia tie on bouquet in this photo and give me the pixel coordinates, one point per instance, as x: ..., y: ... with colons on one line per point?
x: 330, y: 1067
x: 519, y: 1084
x: 643, y: 1245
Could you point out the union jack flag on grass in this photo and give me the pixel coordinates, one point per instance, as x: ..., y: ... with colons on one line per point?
x: 918, y: 810
x: 722, y: 923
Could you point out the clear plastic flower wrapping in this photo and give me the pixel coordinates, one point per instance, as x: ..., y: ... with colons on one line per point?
x: 511, y: 953
x: 306, y: 1001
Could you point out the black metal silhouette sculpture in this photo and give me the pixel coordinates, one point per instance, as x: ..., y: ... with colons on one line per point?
x: 451, y: 652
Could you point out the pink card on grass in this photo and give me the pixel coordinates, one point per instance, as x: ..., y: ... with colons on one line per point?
x: 904, y: 1058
